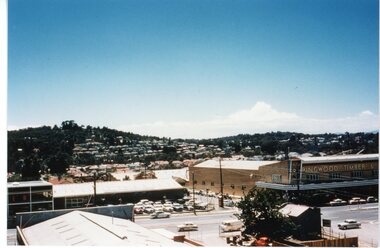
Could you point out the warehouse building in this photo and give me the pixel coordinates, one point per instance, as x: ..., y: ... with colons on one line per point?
x: 78, y: 195
x: 89, y: 229
x: 237, y: 176
x: 342, y: 176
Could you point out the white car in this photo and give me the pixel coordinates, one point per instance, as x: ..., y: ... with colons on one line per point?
x: 338, y: 202
x: 187, y: 226
x: 349, y: 223
x: 167, y: 207
x: 159, y: 214
x: 357, y: 200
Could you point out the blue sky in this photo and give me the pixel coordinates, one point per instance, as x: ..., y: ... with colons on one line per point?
x: 194, y: 68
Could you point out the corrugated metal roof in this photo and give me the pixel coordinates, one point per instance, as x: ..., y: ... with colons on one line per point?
x: 235, y: 164
x: 28, y: 184
x: 88, y: 229
x: 83, y: 189
x: 293, y: 210
x: 165, y: 174
x: 340, y: 158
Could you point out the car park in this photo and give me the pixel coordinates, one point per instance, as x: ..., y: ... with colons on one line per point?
x: 187, y: 226
x: 348, y: 224
x: 159, y: 214
x: 337, y: 202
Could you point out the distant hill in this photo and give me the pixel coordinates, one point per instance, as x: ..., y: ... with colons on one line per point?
x: 34, y: 150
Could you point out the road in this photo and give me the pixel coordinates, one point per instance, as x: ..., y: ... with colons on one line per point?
x: 367, y: 214
x: 208, y: 225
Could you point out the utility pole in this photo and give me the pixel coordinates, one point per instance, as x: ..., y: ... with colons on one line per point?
x: 95, y: 177
x: 193, y: 194
x: 221, y: 183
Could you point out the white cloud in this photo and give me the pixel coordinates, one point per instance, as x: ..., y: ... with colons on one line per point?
x: 262, y: 117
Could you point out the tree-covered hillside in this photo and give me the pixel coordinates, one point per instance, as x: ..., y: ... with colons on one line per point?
x: 33, y: 151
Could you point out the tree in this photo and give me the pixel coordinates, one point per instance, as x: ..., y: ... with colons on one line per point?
x: 261, y: 216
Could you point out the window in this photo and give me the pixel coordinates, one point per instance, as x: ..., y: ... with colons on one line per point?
x: 195, y: 181
x: 232, y: 186
x: 375, y: 173
x: 312, y: 177
x: 75, y: 202
x: 212, y: 183
x: 243, y: 187
x: 276, y: 178
x: 335, y: 175
x: 357, y: 174
x: 203, y: 183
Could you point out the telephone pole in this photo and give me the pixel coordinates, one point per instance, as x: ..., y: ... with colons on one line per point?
x: 221, y: 183
x: 193, y: 194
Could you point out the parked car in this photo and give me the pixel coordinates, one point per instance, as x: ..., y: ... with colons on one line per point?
x: 202, y: 206
x: 231, y: 225
x: 187, y: 226
x: 228, y: 203
x: 349, y: 223
x: 371, y: 199
x: 167, y: 207
x: 211, y: 194
x: 159, y: 214
x: 138, y: 210
x: 357, y: 200
x: 177, y: 207
x: 188, y: 207
x: 149, y: 209
x: 263, y: 241
x: 338, y: 202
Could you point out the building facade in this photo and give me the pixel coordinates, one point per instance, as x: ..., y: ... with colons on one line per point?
x: 27, y: 197
x: 343, y: 176
x: 233, y: 177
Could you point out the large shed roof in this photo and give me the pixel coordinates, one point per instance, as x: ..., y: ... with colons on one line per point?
x: 340, y: 158
x: 88, y: 229
x: 235, y: 164
x: 83, y: 189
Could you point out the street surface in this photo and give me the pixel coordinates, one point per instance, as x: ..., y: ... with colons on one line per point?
x: 208, y: 225
x: 366, y: 214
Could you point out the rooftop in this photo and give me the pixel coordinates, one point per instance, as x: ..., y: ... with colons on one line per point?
x: 84, y: 189
x: 235, y: 164
x: 293, y: 209
x: 88, y: 229
x: 340, y: 158
x: 28, y: 184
